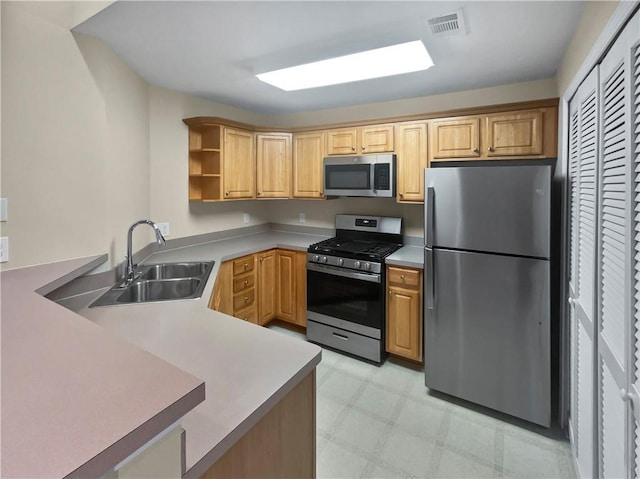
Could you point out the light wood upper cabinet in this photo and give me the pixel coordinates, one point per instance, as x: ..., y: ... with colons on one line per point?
x: 404, y: 312
x: 266, y: 286
x: 273, y: 165
x: 308, y: 177
x: 238, y: 164
x: 514, y: 134
x: 455, y: 138
x: 354, y: 141
x: 507, y: 135
x: 411, y: 150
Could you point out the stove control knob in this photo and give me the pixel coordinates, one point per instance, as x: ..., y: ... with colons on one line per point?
x: 324, y: 259
x: 356, y: 264
x: 316, y: 257
x: 367, y: 266
x: 340, y: 261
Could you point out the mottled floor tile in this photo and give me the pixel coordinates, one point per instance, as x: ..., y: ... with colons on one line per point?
x: 377, y: 401
x: 327, y: 412
x: 420, y: 420
x: 524, y: 459
x: 471, y: 439
x: 414, y: 455
x: 454, y: 465
x: 338, y: 462
x: 362, y: 432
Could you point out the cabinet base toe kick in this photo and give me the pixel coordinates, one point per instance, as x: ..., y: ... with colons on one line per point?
x: 347, y: 341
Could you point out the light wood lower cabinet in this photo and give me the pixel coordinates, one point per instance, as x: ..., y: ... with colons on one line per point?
x: 281, y: 444
x: 266, y: 286
x: 404, y: 312
x: 263, y: 286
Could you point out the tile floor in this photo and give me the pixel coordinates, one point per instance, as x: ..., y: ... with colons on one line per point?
x: 381, y: 422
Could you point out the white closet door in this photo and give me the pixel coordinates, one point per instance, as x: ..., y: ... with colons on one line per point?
x: 583, y: 142
x: 634, y: 378
x: 614, y: 258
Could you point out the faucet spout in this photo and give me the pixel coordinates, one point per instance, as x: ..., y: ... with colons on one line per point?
x: 129, y: 273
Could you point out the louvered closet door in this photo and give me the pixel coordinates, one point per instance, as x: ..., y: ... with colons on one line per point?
x: 583, y: 144
x: 615, y: 258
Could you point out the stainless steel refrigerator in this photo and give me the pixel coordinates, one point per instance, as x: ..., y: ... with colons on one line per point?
x: 487, y: 273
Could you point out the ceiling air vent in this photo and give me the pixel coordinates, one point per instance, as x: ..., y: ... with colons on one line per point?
x: 450, y: 24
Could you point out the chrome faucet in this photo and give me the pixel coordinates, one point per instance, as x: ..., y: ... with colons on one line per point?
x: 129, y: 274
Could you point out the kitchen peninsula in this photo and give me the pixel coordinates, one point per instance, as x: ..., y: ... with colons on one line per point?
x: 144, y: 369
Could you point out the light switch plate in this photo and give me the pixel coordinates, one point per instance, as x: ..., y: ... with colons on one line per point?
x: 4, y: 249
x: 164, y: 229
x: 245, y: 217
x: 4, y: 209
x: 302, y: 218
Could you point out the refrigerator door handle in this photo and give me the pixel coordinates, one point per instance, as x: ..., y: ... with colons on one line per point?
x: 429, y: 278
x: 428, y: 219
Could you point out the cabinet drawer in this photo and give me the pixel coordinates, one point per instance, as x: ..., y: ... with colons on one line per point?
x: 407, y: 278
x: 248, y: 314
x: 243, y: 265
x: 243, y: 282
x: 244, y: 299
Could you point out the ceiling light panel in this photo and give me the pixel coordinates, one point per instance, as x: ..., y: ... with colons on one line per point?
x: 381, y: 62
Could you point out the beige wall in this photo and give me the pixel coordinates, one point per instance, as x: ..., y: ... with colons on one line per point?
x: 534, y: 90
x: 596, y: 15
x: 169, y: 167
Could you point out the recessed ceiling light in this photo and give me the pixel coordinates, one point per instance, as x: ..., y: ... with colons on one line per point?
x: 381, y: 62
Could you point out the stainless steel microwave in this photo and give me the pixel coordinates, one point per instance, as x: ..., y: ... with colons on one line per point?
x: 367, y: 175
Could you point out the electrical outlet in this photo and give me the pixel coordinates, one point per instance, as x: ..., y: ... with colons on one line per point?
x: 245, y: 217
x: 302, y: 218
x: 4, y: 249
x: 164, y: 229
x: 4, y: 206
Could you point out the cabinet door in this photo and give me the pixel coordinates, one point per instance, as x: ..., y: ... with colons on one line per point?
x: 266, y: 286
x: 412, y: 160
x: 308, y: 152
x: 404, y: 328
x: 286, y: 289
x: 455, y: 138
x: 342, y: 141
x: 239, y: 164
x: 273, y: 165
x: 301, y: 288
x: 514, y: 134
x: 376, y: 139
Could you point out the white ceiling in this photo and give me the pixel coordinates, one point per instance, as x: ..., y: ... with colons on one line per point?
x: 213, y: 49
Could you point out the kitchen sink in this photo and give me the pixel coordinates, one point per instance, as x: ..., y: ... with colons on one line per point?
x: 143, y: 291
x: 160, y: 282
x: 175, y: 270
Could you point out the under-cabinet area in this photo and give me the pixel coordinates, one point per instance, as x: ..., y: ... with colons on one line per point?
x: 236, y: 161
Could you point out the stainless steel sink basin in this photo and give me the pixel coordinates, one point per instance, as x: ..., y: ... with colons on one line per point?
x: 143, y: 291
x: 160, y: 282
x: 174, y: 270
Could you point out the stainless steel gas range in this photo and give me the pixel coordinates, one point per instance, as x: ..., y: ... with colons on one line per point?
x: 346, y: 285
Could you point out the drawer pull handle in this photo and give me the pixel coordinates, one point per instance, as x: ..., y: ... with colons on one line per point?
x: 246, y: 282
x: 402, y: 276
x: 246, y: 299
x: 246, y: 266
x: 341, y: 336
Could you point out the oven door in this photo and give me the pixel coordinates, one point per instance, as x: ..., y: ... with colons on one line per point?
x: 347, y: 299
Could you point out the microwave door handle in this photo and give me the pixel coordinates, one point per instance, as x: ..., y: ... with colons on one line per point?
x: 429, y: 214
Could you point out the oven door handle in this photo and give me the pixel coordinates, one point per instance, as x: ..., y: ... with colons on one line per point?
x: 371, y: 277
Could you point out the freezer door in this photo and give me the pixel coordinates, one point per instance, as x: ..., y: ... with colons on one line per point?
x: 488, y: 331
x: 502, y: 209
